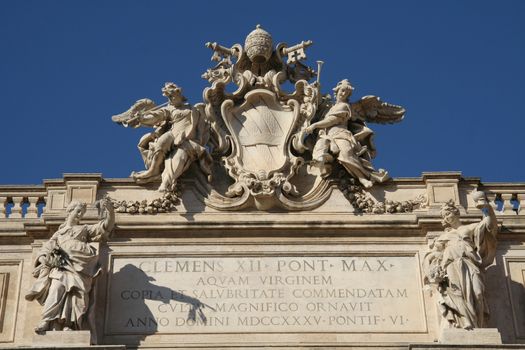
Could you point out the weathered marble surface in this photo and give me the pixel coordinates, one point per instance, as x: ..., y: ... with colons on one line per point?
x: 331, y: 293
x: 473, y: 336
x: 66, y: 267
x: 266, y: 147
x: 260, y: 221
x: 195, y: 232
x: 60, y: 338
x: 455, y: 265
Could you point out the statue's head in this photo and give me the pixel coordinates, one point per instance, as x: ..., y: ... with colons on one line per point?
x: 343, y: 90
x: 75, y: 211
x: 258, y: 45
x: 174, y: 93
x: 450, y: 215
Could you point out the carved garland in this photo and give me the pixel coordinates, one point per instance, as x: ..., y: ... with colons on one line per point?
x: 364, y: 203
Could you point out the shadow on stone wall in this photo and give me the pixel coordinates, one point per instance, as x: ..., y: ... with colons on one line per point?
x: 143, y: 322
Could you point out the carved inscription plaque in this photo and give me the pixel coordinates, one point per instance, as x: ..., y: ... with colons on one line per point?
x: 265, y: 294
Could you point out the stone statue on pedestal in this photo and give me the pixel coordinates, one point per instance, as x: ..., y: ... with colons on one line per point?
x: 66, y: 267
x: 456, y: 264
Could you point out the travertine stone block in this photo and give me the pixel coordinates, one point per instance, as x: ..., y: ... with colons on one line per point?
x: 62, y: 338
x: 442, y: 187
x: 474, y: 336
x: 57, y: 200
x: 82, y: 187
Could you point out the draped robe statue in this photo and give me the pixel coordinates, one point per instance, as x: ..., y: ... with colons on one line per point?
x: 65, y: 268
x: 344, y: 135
x: 456, y: 265
x: 179, y: 139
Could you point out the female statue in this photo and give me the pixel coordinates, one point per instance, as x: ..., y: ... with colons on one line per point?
x: 66, y: 266
x: 335, y: 139
x: 456, y: 264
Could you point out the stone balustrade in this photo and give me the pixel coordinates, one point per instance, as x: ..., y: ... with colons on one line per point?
x: 29, y: 201
x: 506, y: 198
x: 22, y: 201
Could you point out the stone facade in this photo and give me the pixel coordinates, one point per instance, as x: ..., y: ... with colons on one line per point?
x: 260, y: 221
x: 200, y: 277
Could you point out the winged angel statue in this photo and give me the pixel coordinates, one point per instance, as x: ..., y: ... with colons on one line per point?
x: 281, y: 149
x: 343, y: 134
x: 178, y: 139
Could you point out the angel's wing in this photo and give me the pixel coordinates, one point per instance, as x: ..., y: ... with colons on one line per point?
x: 372, y: 109
x: 142, y: 105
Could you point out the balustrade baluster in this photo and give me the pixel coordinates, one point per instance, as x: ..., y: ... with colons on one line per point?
x: 508, y: 206
x: 43, y: 202
x: 3, y: 203
x: 16, y: 210
x: 32, y: 210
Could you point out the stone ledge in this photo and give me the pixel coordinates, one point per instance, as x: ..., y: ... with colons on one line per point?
x: 474, y: 336
x: 438, y: 346
x: 62, y: 338
x: 56, y: 347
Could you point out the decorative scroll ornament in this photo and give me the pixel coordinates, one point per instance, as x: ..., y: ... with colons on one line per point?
x: 281, y: 149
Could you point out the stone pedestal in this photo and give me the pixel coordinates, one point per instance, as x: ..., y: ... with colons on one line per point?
x: 474, y: 336
x: 62, y: 338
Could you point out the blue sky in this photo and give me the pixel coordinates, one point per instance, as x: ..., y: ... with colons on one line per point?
x: 456, y: 66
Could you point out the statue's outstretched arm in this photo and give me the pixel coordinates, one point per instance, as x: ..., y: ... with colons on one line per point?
x: 102, y: 229
x: 108, y: 222
x: 490, y: 219
x: 328, y: 121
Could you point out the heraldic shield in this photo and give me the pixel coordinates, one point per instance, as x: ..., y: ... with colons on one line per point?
x: 260, y: 130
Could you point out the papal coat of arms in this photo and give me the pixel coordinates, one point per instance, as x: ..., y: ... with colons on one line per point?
x: 282, y: 150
